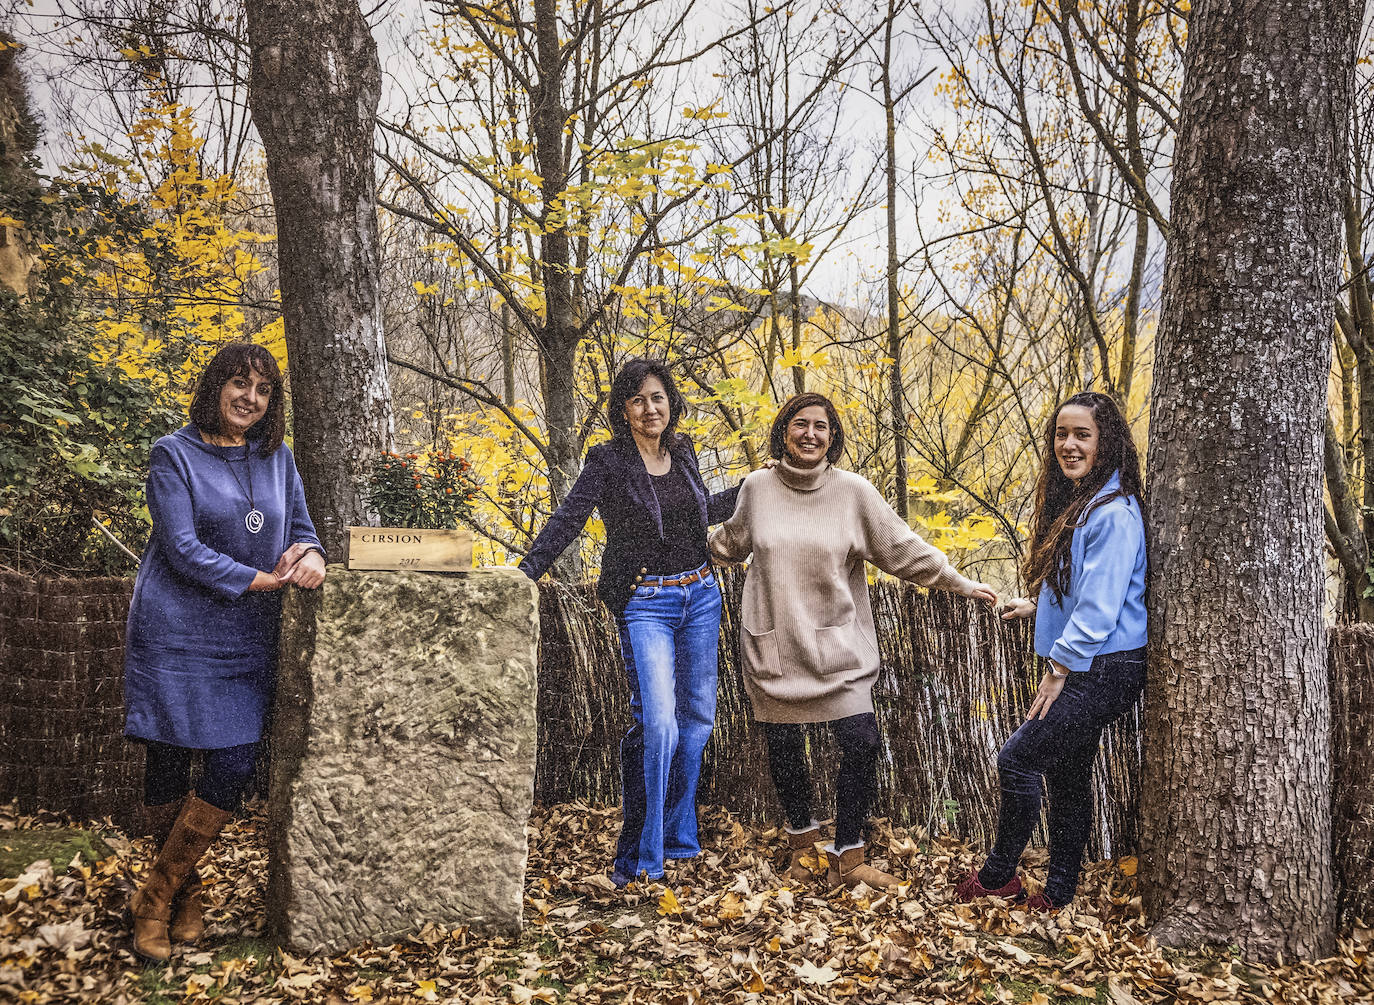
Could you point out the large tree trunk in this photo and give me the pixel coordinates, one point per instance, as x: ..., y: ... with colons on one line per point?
x: 1237, y: 794
x: 315, y: 87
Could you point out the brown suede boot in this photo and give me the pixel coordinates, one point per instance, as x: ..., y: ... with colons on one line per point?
x: 853, y: 870
x: 195, y: 828
x: 188, y: 919
x: 800, y: 846
x: 187, y: 923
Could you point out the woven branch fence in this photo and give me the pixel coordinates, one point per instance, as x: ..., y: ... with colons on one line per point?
x: 955, y: 682
x: 62, y: 743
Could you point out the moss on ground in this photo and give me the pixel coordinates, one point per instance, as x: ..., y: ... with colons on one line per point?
x: 21, y: 848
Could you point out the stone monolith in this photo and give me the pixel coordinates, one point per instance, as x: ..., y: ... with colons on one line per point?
x: 403, y: 749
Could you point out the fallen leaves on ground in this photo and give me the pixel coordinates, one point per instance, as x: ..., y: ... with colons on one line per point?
x: 721, y: 928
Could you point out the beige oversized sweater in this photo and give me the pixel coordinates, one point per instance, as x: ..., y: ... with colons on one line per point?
x: 809, y: 646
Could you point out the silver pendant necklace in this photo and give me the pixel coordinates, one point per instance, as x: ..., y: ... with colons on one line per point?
x: 253, y: 519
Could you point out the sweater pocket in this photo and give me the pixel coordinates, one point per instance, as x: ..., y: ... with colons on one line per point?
x: 841, y: 647
x: 760, y: 651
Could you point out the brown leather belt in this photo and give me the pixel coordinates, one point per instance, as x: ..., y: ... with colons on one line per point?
x: 692, y: 577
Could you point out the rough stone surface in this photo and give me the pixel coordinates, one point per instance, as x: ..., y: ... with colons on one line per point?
x: 403, y: 752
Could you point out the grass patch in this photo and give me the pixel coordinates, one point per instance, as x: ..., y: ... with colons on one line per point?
x: 21, y: 848
x: 1024, y: 989
x: 160, y: 991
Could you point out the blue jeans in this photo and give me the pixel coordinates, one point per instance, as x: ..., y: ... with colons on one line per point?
x: 1061, y: 747
x: 668, y: 636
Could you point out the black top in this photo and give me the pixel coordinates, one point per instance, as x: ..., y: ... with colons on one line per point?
x: 683, y: 548
x: 615, y: 482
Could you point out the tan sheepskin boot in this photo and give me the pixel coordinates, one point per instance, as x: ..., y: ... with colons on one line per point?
x: 853, y: 870
x: 801, y: 845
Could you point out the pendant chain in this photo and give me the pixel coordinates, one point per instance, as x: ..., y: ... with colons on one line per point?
x: 253, y: 519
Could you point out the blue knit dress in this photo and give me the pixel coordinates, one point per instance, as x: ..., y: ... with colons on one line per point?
x: 200, y: 650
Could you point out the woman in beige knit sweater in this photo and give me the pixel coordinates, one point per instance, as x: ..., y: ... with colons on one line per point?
x: 809, y: 644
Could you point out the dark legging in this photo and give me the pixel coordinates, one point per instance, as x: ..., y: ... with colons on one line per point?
x: 857, y: 736
x: 223, y: 778
x: 1060, y: 748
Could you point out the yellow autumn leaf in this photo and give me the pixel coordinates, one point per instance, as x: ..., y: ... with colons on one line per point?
x: 1128, y: 865
x: 428, y: 990
x: 667, y: 904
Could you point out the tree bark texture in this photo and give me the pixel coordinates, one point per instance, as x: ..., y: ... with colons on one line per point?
x: 315, y: 87
x: 561, y: 335
x: 1237, y: 801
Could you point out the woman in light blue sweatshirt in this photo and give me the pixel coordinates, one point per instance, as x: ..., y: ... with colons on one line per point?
x: 1087, y: 562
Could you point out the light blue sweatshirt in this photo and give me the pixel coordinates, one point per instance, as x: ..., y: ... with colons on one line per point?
x: 1104, y: 608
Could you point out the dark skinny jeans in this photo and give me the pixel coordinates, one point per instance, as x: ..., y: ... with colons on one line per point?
x: 223, y: 778
x: 1061, y: 747
x: 857, y: 736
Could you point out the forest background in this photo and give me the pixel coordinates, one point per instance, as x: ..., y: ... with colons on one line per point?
x: 947, y: 218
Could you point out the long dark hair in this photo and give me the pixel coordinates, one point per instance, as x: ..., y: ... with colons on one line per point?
x: 627, y: 384
x: 1062, y: 506
x: 777, y: 436
x: 240, y: 359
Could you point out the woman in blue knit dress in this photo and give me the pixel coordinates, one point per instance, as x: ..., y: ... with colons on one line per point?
x: 1087, y: 562
x: 230, y: 529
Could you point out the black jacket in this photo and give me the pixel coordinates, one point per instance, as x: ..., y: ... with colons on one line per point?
x: 615, y: 481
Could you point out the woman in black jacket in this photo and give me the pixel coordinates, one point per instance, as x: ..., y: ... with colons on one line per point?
x: 656, y: 578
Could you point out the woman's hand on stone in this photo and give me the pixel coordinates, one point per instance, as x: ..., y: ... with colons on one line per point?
x: 283, y: 573
x: 287, y: 563
x: 1018, y: 607
x: 1050, y: 687
x: 308, y: 573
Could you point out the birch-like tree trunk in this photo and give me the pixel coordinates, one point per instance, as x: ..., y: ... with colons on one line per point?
x: 315, y: 86
x: 1237, y: 828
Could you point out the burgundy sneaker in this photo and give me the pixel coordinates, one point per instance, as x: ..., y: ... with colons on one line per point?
x: 972, y: 889
x: 1041, y: 904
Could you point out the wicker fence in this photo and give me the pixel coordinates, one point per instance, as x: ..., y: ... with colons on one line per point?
x: 62, y: 741
x: 1352, y: 773
x: 955, y: 682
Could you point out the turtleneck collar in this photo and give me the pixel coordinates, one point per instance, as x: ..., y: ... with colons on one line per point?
x: 802, y: 479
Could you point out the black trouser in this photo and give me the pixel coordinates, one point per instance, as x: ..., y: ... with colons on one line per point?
x: 1061, y: 747
x: 857, y: 736
x: 223, y: 778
